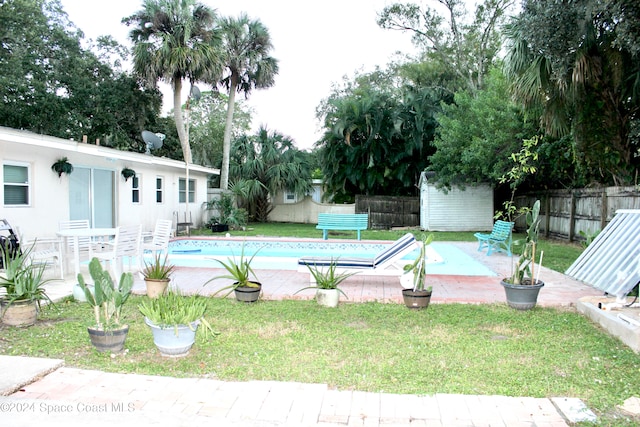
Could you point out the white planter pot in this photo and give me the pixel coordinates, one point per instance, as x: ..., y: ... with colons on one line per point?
x: 173, y: 341
x: 328, y: 297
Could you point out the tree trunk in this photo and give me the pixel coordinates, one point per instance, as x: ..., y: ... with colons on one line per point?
x: 177, y: 116
x: 226, y: 142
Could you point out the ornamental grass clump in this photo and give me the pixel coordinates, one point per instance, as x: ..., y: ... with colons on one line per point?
x: 174, y: 309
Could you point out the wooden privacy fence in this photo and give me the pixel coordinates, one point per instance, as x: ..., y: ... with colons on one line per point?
x: 565, y: 214
x: 390, y: 211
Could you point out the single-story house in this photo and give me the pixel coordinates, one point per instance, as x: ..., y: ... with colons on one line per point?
x: 34, y: 198
x: 458, y: 209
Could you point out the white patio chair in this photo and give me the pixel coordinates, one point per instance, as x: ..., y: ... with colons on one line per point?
x: 160, y: 239
x: 43, y: 251
x: 84, y: 243
x: 125, y: 244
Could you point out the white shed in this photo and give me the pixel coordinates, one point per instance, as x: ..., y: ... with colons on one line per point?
x: 468, y: 209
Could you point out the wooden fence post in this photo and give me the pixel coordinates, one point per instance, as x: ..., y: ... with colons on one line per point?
x: 572, y: 216
x: 603, y: 213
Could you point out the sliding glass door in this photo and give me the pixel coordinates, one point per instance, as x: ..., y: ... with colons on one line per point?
x: 92, y: 196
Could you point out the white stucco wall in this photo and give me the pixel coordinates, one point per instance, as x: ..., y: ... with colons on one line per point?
x: 306, y: 211
x: 49, y: 199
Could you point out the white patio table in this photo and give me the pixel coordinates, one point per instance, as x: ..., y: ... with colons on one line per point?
x: 76, y: 233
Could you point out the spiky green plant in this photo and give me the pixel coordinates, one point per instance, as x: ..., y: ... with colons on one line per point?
x: 159, y: 269
x: 174, y: 309
x: 239, y: 270
x: 326, y: 277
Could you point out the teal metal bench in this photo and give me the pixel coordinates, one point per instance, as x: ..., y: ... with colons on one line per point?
x: 499, y: 240
x: 329, y: 221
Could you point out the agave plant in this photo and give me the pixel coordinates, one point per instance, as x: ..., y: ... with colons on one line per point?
x: 239, y: 270
x: 326, y: 277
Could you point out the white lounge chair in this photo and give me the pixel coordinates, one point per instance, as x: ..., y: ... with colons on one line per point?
x: 385, y: 263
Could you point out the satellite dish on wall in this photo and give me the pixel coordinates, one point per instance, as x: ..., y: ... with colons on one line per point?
x: 153, y: 140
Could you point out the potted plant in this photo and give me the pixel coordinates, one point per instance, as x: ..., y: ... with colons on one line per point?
x: 415, y: 293
x: 228, y: 214
x: 107, y: 300
x: 174, y: 319
x: 326, y: 284
x: 23, y: 283
x: 239, y: 270
x: 127, y: 173
x: 523, y: 286
x: 61, y: 166
x: 157, y: 275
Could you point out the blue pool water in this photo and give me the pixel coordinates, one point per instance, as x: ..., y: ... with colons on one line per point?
x: 284, y: 254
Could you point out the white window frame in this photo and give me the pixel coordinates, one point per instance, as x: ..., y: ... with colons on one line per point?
x: 191, y: 192
x: 290, y: 197
x: 159, y: 190
x: 135, y: 189
x: 16, y: 184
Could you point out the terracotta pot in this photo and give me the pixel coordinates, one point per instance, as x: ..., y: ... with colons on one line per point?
x: 19, y: 313
x: 156, y: 287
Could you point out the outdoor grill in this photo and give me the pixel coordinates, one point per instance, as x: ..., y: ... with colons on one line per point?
x: 9, y: 243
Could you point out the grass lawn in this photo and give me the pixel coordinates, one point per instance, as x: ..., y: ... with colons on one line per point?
x: 448, y: 348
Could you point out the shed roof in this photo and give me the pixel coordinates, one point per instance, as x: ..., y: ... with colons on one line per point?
x: 611, y: 262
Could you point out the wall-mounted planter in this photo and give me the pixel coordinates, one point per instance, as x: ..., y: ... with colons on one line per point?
x: 128, y: 173
x: 61, y: 166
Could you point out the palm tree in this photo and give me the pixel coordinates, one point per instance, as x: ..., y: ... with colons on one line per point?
x: 174, y: 41
x: 265, y: 164
x: 245, y: 48
x: 579, y: 82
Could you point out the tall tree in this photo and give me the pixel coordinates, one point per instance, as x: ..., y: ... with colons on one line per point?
x: 207, y: 118
x: 378, y: 136
x: 175, y: 41
x: 263, y: 165
x: 246, y: 46
x: 570, y: 68
x: 477, y: 134
x: 467, y: 49
x: 50, y: 84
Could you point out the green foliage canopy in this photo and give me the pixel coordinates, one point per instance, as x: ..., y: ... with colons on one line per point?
x: 50, y: 84
x: 264, y: 164
x: 573, y: 69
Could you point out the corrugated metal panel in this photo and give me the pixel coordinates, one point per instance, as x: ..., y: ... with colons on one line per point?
x: 611, y: 262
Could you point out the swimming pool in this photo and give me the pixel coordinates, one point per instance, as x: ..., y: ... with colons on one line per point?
x: 283, y: 254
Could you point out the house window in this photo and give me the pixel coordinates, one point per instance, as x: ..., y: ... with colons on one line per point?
x: 16, y: 184
x: 159, y: 189
x: 181, y: 191
x: 290, y: 197
x: 135, y: 189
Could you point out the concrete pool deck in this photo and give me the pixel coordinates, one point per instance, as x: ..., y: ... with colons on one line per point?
x: 559, y: 290
x: 44, y: 391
